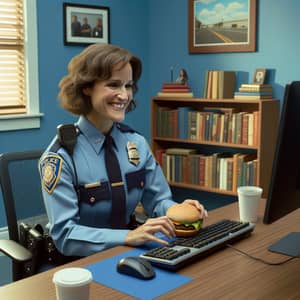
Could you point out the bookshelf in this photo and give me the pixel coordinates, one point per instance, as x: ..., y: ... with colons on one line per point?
x: 266, y: 123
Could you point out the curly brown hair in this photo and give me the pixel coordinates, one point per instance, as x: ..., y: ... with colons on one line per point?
x: 95, y: 63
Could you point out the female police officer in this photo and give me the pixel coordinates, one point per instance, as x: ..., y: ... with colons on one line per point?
x: 88, y: 208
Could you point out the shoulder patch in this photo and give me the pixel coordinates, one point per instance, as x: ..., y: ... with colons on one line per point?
x: 50, y: 168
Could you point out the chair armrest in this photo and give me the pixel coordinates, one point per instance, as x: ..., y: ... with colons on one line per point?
x: 15, y: 251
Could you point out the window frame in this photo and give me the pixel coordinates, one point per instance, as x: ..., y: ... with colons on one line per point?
x: 30, y: 119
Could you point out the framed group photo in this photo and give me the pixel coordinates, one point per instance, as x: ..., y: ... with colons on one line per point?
x: 222, y: 26
x: 85, y: 24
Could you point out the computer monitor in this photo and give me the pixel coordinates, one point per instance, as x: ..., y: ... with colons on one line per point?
x: 284, y: 191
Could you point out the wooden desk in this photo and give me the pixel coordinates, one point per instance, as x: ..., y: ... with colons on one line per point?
x: 225, y: 274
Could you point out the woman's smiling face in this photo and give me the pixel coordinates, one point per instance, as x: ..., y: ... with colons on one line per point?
x: 110, y: 98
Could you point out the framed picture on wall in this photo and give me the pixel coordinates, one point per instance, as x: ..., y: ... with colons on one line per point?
x: 222, y: 26
x: 85, y: 24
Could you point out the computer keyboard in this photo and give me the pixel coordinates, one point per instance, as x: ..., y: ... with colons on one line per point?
x: 183, y: 251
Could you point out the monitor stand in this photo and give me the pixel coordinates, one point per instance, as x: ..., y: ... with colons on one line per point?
x: 288, y: 245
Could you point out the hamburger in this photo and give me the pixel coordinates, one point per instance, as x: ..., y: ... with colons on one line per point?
x: 186, y: 218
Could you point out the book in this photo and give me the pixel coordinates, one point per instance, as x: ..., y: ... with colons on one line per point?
x: 223, y: 174
x: 223, y: 166
x: 242, y: 167
x: 180, y: 151
x: 173, y: 95
x: 158, y: 155
x: 238, y: 128
x: 226, y: 83
x: 215, y: 84
x: 245, y: 129
x: 175, y: 85
x: 229, y: 162
x: 194, y: 168
x: 205, y: 84
x: 214, y: 170
x: 256, y: 116
x: 200, y: 126
x: 255, y: 89
x: 253, y: 97
x: 250, y: 128
x: 192, y: 125
x: 166, y: 119
x: 168, y: 90
x: 202, y: 163
x: 235, y: 172
x: 256, y: 85
x: 260, y: 93
x: 183, y: 122
x: 219, y: 84
x: 209, y: 85
x: 220, y: 110
x: 173, y: 123
x: 209, y: 172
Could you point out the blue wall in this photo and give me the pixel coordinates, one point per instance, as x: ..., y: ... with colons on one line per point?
x: 156, y: 31
x: 278, y: 46
x: 53, y: 60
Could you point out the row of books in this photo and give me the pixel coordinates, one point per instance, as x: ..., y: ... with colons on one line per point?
x: 224, y: 171
x: 219, y: 84
x: 254, y: 91
x: 174, y: 89
x: 221, y: 125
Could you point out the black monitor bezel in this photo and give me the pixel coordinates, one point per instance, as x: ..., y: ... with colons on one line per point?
x: 284, y: 190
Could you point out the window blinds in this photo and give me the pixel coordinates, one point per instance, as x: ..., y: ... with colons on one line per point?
x: 12, y: 70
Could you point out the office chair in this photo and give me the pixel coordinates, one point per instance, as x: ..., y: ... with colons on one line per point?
x: 23, y: 202
x: 22, y: 198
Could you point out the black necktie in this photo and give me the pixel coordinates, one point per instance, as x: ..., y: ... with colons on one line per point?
x: 116, y: 185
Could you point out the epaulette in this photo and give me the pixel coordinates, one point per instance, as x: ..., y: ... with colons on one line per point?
x: 56, y: 146
x: 125, y: 128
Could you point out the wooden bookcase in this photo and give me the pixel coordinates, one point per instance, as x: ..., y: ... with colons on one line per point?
x: 267, y: 126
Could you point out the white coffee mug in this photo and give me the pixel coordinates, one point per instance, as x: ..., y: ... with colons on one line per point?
x: 72, y: 284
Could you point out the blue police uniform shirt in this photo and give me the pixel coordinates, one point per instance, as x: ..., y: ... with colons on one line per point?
x: 82, y: 226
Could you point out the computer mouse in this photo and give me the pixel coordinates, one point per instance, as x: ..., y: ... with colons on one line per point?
x: 136, y: 266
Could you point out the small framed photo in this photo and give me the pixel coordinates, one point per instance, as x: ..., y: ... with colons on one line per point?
x: 259, y: 76
x: 85, y: 24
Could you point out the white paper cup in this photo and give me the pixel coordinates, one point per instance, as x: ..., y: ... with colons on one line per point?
x: 72, y: 284
x: 249, y: 198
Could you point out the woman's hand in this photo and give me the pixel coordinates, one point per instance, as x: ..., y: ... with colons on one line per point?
x: 198, y: 205
x: 146, y: 232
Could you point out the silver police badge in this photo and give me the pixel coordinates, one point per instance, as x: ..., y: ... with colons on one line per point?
x: 133, y: 154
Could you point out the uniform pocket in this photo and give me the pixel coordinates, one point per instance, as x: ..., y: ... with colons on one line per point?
x: 93, y: 194
x: 136, y: 179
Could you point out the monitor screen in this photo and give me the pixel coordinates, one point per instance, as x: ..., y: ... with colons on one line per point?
x: 284, y: 190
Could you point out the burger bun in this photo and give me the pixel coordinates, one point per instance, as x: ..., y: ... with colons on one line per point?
x: 184, y: 216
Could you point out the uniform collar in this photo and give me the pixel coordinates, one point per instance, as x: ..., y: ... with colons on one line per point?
x: 95, y: 138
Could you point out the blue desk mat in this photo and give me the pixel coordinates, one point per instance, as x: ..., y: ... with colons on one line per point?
x: 104, y: 272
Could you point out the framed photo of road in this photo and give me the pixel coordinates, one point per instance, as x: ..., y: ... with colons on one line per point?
x: 222, y: 26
